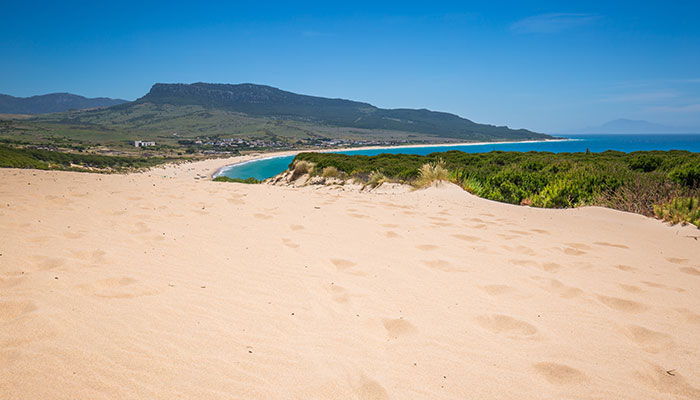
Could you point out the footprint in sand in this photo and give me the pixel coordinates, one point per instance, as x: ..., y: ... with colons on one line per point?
x: 690, y: 271
x: 669, y: 381
x: 396, y: 327
x: 360, y: 216
x: 503, y: 324
x: 48, y: 263
x: 427, y: 247
x: 116, y: 288
x: 441, y: 265
x: 339, y: 294
x: 522, y: 250
x: 497, y: 290
x: 550, y: 266
x: 625, y: 268
x: 547, y: 267
x: 262, y: 216
x: 141, y: 228
x: 94, y: 256
x: 623, y: 305
x: 559, y: 374
x: 392, y: 235
x: 466, y: 238
x: 541, y: 231
x: 677, y: 260
x: 648, y: 340
x: 289, y: 243
x: 573, y: 251
x: 369, y: 389
x: 631, y: 288
x: 443, y: 224
x: 688, y: 315
x: 661, y: 286
x: 72, y: 235
x: 296, y: 227
x: 342, y: 264
x: 564, y: 291
x: 10, y: 310
x: 619, y: 246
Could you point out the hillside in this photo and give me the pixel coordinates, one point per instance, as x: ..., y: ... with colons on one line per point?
x: 266, y: 101
x: 51, y: 103
x: 211, y: 117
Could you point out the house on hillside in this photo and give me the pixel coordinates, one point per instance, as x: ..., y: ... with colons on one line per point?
x: 139, y: 143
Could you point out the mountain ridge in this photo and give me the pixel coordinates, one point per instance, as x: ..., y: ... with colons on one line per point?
x: 53, y: 102
x: 266, y: 101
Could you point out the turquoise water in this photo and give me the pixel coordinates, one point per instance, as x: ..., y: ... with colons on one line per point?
x: 265, y: 168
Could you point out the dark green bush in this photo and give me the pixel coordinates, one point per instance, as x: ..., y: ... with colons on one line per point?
x: 250, y: 180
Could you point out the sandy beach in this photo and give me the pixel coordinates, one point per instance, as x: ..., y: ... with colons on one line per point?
x: 164, y: 284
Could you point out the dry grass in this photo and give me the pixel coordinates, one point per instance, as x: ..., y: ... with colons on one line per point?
x: 330, y: 172
x: 301, y: 168
x: 432, y: 173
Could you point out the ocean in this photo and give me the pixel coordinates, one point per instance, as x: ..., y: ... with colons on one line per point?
x: 266, y: 168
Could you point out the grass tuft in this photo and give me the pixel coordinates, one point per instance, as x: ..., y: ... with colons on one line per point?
x: 300, y: 168
x: 432, y: 173
x: 330, y: 172
x: 376, y: 178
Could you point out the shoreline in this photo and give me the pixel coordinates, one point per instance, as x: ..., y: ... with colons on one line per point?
x: 273, y: 155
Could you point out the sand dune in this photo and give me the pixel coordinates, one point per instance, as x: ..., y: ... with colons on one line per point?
x: 160, y: 286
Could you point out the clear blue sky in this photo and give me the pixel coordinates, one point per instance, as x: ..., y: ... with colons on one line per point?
x: 544, y: 65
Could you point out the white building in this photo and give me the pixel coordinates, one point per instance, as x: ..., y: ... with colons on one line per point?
x: 139, y: 143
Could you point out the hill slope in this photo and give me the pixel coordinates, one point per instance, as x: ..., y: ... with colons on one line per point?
x: 51, y: 103
x: 181, y: 115
x: 266, y: 101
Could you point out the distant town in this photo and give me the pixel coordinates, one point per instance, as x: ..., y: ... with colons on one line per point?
x: 237, y: 145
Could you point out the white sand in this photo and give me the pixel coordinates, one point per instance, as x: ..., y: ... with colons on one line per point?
x: 160, y: 286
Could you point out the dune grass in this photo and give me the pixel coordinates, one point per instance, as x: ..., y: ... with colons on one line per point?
x: 300, y: 168
x: 430, y: 173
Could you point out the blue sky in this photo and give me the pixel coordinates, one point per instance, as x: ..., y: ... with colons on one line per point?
x: 546, y: 65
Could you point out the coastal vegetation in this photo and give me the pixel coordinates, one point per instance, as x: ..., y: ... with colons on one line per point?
x: 16, y: 157
x: 654, y: 183
x: 250, y: 180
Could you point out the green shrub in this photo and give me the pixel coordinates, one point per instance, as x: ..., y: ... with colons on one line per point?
x: 250, y: 180
x: 686, y: 174
x: 680, y: 210
x: 14, y: 157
